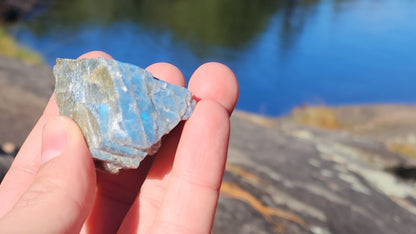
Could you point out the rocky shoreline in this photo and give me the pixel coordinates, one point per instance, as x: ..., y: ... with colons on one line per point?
x: 353, y: 172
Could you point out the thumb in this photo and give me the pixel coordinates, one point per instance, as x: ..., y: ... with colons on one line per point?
x: 62, y: 193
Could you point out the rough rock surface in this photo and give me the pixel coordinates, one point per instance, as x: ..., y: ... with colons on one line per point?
x: 121, y: 109
x: 285, y: 177
x: 24, y: 92
x: 5, y: 162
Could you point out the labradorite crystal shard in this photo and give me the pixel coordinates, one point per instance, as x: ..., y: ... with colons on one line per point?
x: 121, y: 109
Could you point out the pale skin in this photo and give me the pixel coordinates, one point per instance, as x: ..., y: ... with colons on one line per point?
x: 53, y: 187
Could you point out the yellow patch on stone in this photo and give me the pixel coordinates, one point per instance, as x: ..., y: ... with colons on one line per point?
x: 256, y: 119
x: 316, y: 116
x: 405, y: 149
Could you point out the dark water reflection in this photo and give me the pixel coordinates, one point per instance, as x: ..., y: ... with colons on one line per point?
x: 284, y: 53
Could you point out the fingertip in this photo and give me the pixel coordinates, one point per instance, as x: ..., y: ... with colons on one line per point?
x: 210, y: 111
x: 54, y: 139
x: 73, y: 170
x: 167, y: 72
x: 62, y: 135
x: 96, y: 54
x: 217, y: 82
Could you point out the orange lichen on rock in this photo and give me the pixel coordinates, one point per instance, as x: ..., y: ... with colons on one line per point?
x: 236, y: 170
x: 232, y: 190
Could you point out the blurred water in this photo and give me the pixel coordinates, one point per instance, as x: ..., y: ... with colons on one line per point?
x: 284, y: 53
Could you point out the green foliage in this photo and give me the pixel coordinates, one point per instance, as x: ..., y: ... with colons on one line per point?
x: 9, y: 47
x: 203, y: 24
x: 230, y: 23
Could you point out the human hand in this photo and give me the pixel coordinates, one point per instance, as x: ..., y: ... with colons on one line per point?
x: 52, y: 185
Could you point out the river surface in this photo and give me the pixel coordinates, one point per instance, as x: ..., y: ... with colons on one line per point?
x: 284, y: 53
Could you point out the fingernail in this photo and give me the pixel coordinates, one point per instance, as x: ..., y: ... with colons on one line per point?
x: 54, y: 139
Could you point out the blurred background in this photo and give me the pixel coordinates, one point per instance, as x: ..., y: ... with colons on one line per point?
x: 285, y: 53
x: 324, y: 136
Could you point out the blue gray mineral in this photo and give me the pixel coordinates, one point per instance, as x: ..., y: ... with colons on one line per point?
x: 121, y: 109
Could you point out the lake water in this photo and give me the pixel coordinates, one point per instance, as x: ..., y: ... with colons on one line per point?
x: 284, y: 53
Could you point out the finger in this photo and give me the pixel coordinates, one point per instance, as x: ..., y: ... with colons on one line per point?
x: 63, y: 188
x: 215, y: 81
x: 22, y: 172
x: 153, y: 189
x: 192, y: 191
x: 211, y: 81
x: 162, y: 162
x: 167, y: 72
x: 95, y: 54
x: 116, y: 193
